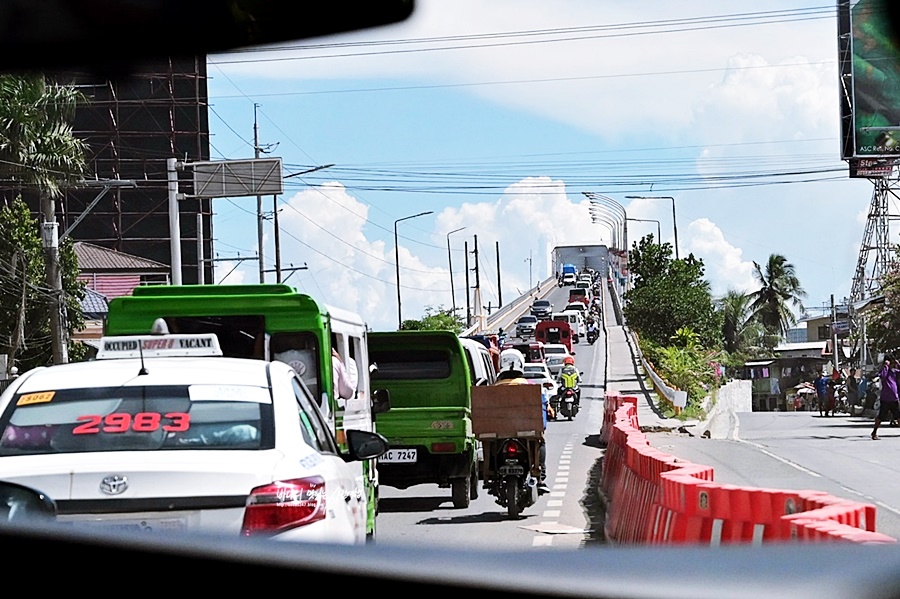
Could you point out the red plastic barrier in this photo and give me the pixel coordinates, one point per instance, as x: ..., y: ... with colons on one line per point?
x: 659, y: 499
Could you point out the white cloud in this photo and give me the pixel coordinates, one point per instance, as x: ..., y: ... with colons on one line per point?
x: 229, y: 273
x: 725, y: 267
x: 351, y: 263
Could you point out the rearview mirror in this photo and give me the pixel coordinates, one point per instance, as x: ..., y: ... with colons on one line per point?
x: 20, y: 504
x: 117, y: 35
x: 364, y: 445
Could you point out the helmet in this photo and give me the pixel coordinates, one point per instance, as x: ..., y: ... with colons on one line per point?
x: 569, y: 360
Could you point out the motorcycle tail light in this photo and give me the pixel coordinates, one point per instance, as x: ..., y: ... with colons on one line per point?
x: 283, y: 505
x: 511, y: 449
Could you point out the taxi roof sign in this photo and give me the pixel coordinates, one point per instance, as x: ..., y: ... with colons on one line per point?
x: 159, y: 346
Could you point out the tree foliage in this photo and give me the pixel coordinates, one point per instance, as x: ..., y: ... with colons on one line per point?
x: 668, y: 295
x: 883, y: 321
x: 38, y: 149
x: 779, y: 291
x: 25, y: 301
x: 742, y: 333
x: 39, y: 156
x: 435, y: 319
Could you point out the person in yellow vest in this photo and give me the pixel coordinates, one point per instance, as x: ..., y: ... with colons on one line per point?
x: 570, y: 377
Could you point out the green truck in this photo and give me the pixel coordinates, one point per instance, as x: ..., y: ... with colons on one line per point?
x: 429, y: 425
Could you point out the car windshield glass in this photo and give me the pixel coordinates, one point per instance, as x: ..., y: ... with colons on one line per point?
x: 138, y: 419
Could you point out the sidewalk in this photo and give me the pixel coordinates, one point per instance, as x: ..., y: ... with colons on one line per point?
x: 625, y: 374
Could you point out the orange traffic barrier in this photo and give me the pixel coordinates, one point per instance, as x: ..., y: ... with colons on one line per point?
x: 657, y: 498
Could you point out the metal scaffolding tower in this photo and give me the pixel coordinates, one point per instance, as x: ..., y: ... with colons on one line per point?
x: 876, y: 251
x: 875, y: 256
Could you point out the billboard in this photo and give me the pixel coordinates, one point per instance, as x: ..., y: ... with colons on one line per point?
x: 869, y: 62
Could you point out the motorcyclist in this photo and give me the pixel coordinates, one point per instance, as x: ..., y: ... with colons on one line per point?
x: 570, y: 378
x: 512, y: 373
x: 592, y: 331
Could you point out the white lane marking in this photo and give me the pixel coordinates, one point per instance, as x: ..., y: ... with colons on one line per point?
x: 784, y: 461
x: 887, y: 507
x: 557, y: 494
x: 542, y: 541
x: 550, y: 514
x: 563, y: 487
x: 554, y: 503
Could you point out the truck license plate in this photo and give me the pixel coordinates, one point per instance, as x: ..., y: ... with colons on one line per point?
x: 399, y: 456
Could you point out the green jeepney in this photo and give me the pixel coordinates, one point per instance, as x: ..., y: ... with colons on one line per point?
x: 429, y: 425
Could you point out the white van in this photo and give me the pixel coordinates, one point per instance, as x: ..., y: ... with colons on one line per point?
x: 575, y: 320
x: 481, y: 365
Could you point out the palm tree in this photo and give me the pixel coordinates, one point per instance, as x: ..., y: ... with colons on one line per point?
x: 739, y: 327
x: 779, y: 292
x: 38, y: 150
x: 39, y: 154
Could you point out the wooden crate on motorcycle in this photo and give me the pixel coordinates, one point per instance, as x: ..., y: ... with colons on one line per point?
x: 507, y: 411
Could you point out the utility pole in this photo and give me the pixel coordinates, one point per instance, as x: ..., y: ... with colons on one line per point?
x: 499, y: 289
x: 50, y: 239
x: 468, y: 295
x: 475, y: 256
x: 277, y: 239
x: 834, y: 335
x: 259, y: 213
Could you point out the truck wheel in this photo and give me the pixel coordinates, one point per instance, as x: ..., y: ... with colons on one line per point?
x: 459, y: 488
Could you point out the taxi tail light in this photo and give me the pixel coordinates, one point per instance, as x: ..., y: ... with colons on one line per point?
x: 284, y: 505
x: 548, y: 385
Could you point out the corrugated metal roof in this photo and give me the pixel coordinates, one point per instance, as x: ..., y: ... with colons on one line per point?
x: 94, y: 258
x: 94, y: 303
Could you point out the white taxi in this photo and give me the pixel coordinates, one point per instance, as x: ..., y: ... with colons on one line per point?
x: 156, y: 435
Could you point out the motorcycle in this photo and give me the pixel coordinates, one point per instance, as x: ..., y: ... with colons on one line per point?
x: 511, y: 474
x: 591, y: 336
x: 568, y: 406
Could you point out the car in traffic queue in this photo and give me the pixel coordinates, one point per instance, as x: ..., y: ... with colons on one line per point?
x: 161, y: 433
x: 555, y: 354
x: 525, y: 325
x: 533, y: 351
x: 541, y: 309
x: 540, y: 374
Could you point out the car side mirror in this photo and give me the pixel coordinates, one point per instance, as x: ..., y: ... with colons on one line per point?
x: 23, y: 505
x: 364, y: 445
x: 381, y: 401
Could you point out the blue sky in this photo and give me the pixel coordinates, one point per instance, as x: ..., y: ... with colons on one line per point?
x: 502, y: 137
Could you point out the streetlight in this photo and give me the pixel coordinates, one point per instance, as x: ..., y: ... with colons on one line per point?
x: 600, y: 201
x: 450, y: 264
x: 674, y: 221
x: 528, y: 260
x: 602, y: 218
x: 650, y: 220
x: 397, y: 261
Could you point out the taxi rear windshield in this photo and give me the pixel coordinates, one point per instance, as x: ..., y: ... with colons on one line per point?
x: 138, y: 419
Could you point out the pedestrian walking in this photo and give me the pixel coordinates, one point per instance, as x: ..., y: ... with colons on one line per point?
x: 852, y: 391
x: 890, y: 402
x: 830, y: 401
x: 821, y: 385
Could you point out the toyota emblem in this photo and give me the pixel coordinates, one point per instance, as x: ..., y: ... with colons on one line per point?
x: 114, y: 484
